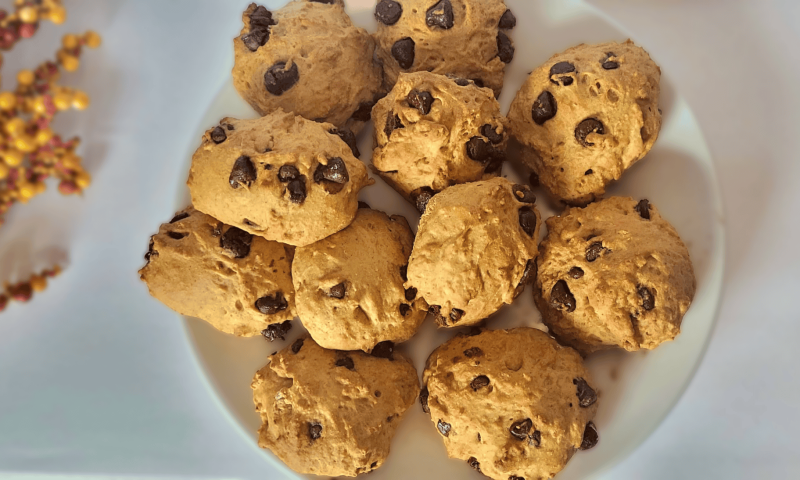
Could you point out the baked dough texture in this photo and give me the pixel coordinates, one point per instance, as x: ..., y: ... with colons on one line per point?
x: 613, y: 274
x: 512, y: 403
x: 349, y: 286
x: 465, y: 38
x: 332, y: 413
x: 587, y: 115
x: 432, y: 133
x: 475, y: 250
x: 313, y: 61
x: 280, y: 176
x: 237, y: 282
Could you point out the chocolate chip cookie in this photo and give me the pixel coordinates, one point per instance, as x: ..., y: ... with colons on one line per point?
x: 237, y: 282
x: 433, y: 131
x: 586, y: 115
x: 307, y: 58
x: 512, y: 403
x: 327, y: 412
x: 280, y: 176
x: 465, y: 38
x: 613, y: 274
x: 475, y: 250
x: 349, y: 286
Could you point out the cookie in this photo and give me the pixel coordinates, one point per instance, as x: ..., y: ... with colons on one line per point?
x: 613, y: 274
x: 307, y: 58
x: 281, y: 176
x: 349, y: 286
x: 512, y: 403
x: 475, y: 250
x: 465, y: 38
x: 432, y: 132
x: 587, y: 115
x: 237, y: 282
x: 332, y: 413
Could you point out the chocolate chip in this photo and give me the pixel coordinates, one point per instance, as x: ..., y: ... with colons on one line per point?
x: 326, y: 2
x: 495, y: 165
x: 535, y: 439
x: 277, y: 331
x: 475, y: 464
x: 383, y: 350
x: 594, y: 251
x: 218, y: 135
x: 523, y: 194
x: 508, y: 20
x: 576, y: 272
x: 479, y: 150
x: 514, y: 477
x: 179, y: 217
x: 588, y: 172
x: 586, y: 394
x: 411, y: 293
x: 561, y: 68
x: 477, y: 81
x: 392, y: 123
x: 217, y: 230
x: 364, y: 111
x: 527, y: 220
x: 489, y: 132
x: 237, y: 242
x: 534, y: 179
x: 314, y: 430
x: 544, y: 108
x: 521, y: 428
x: 150, y: 251
x: 505, y: 49
x: 335, y: 172
x: 363, y: 204
x: 440, y: 15
x: 422, y: 101
x: 388, y: 12
x: 423, y: 400
x: 404, y: 309
x: 337, y: 291
x: 243, y: 172
x: 648, y: 297
x: 461, y: 82
x: 288, y: 173
x: 561, y: 298
x: 421, y: 197
x: 444, y: 428
x: 297, y: 190
x: 642, y: 208
x: 590, y: 436
x: 297, y: 345
x: 590, y: 125
x: 349, y: 138
x: 346, y: 362
x: 261, y: 18
x: 527, y: 274
x: 609, y: 64
x: 404, y: 272
x: 176, y: 235
x: 272, y: 304
x: 479, y: 382
x: 229, y: 127
x: 258, y: 37
x: 473, y: 352
x: 403, y: 52
x: 278, y: 80
x: 456, y: 314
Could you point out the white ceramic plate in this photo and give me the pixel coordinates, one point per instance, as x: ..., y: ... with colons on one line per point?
x: 636, y: 390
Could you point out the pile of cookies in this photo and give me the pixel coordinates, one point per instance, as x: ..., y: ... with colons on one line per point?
x: 276, y: 231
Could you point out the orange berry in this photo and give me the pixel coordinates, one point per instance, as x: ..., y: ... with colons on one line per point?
x: 13, y: 158
x: 38, y: 283
x: 80, y: 101
x: 3, y: 171
x: 29, y: 14
x: 92, y: 39
x: 43, y: 136
x: 83, y: 179
x: 25, y: 143
x: 62, y: 100
x: 15, y: 126
x: 39, y: 106
x: 25, y: 77
x: 69, y: 41
x: 7, y: 100
x: 57, y: 14
x: 70, y: 63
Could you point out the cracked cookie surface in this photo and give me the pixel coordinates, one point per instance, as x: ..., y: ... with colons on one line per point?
x: 613, y: 274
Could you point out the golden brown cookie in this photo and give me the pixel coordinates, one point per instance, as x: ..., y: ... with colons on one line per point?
x: 586, y: 115
x: 349, y: 286
x: 465, y: 38
x: 307, y: 58
x: 237, y: 282
x: 613, y: 274
x: 512, y: 403
x: 432, y: 133
x: 332, y: 413
x: 280, y: 176
x: 474, y: 250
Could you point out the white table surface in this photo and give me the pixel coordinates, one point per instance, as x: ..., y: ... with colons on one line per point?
x: 97, y: 379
